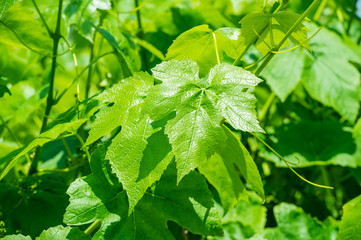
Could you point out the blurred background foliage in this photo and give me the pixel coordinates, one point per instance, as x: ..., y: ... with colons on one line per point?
x: 309, y: 104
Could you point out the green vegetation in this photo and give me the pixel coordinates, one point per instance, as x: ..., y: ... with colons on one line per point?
x: 180, y: 119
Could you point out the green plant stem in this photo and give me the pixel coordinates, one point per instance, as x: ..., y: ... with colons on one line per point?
x: 319, y: 10
x: 140, y: 33
x: 88, y: 81
x: 329, y: 194
x: 80, y: 74
x: 271, y: 54
x: 353, y: 13
x: 266, y: 106
x: 50, y: 98
x: 68, y: 151
x: 92, y: 227
x: 216, y: 48
x: 247, y: 48
x: 42, y: 19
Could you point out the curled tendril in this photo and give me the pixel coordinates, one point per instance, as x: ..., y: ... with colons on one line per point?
x: 288, y: 163
x: 308, y: 39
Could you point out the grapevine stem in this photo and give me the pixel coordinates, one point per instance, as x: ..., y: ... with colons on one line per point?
x: 140, y: 33
x: 88, y: 81
x: 319, y: 11
x: 42, y: 19
x: 289, y: 32
x: 50, y: 99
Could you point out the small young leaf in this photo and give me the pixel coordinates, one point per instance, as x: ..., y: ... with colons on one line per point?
x: 198, y: 44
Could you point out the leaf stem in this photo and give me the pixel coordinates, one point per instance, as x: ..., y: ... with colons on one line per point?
x: 140, y: 33
x: 283, y: 40
x: 319, y: 10
x: 353, y: 13
x: 93, y: 226
x: 88, y: 81
x: 216, y: 48
x: 81, y: 73
x: 50, y: 98
x: 266, y: 106
x: 42, y: 19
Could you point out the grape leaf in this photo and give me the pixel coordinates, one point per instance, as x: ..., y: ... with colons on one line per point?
x: 201, y: 105
x: 198, y: 44
x: 271, y: 26
x: 124, y: 64
x: 350, y: 226
x: 123, y: 96
x: 329, y: 77
x: 137, y: 157
x: 284, y: 72
x: 63, y: 233
x: 221, y: 172
x: 188, y: 204
x: 293, y: 223
x: 4, y: 5
x: 16, y: 237
x: 14, y: 30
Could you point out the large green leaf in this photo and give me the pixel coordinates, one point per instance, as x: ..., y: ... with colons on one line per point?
x: 189, y: 204
x: 329, y: 77
x: 294, y: 224
x: 63, y: 233
x: 221, y: 170
x: 4, y: 5
x: 198, y: 44
x: 350, y: 226
x: 271, y: 28
x: 201, y: 105
x: 284, y: 72
x: 123, y: 96
x: 137, y: 157
x: 316, y: 143
x: 16, y: 29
